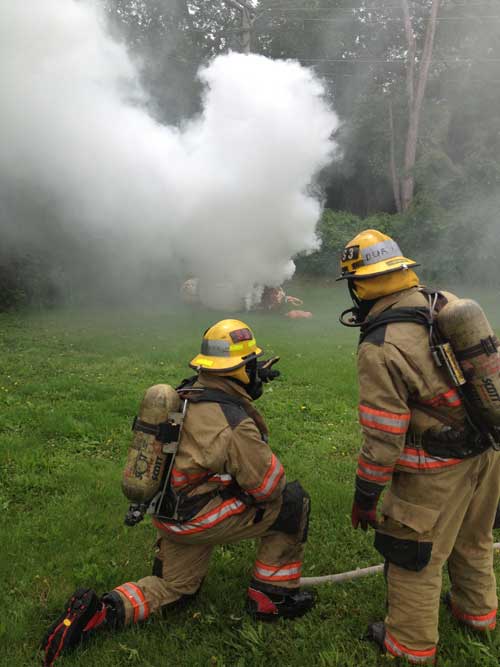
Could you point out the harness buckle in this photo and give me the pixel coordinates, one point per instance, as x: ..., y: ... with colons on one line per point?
x: 489, y: 345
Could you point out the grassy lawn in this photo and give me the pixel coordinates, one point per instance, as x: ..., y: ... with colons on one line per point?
x: 70, y: 384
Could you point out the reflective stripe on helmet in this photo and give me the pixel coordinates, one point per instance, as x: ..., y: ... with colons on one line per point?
x: 274, y: 573
x: 201, y: 361
x: 215, y: 348
x: 250, y: 344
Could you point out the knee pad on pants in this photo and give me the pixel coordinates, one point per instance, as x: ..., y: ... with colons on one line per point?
x: 294, y: 512
x: 408, y: 554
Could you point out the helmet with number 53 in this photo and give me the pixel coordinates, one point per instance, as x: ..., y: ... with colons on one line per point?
x: 372, y: 254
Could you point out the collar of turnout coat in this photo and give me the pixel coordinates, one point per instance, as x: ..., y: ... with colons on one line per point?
x: 387, y: 301
x: 222, y: 384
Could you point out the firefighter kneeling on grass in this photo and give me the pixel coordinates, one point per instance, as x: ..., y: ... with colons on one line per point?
x: 430, y: 433
x: 227, y: 485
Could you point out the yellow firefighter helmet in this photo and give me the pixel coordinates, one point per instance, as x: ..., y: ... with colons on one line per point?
x: 371, y: 254
x: 226, y: 346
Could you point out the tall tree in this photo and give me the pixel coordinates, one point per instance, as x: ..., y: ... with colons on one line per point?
x: 416, y: 82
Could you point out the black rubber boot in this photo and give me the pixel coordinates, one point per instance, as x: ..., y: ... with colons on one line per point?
x: 446, y: 598
x: 376, y: 633
x: 83, y: 614
x: 268, y: 603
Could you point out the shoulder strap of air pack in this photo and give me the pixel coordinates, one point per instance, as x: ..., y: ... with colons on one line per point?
x: 235, y: 409
x: 410, y: 314
x: 415, y: 315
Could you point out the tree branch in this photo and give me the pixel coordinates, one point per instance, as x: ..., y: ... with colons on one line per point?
x: 415, y: 105
x: 412, y: 49
x: 241, y: 4
x: 427, y: 53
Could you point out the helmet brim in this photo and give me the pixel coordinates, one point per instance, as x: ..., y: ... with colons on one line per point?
x: 214, y: 364
x: 365, y: 272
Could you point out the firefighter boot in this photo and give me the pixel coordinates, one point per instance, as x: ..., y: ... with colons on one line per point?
x: 376, y: 633
x: 84, y: 613
x: 268, y: 603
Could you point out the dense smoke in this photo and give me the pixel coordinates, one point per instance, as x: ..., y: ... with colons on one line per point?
x: 226, y: 197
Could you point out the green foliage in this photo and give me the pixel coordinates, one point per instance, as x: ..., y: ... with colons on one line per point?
x: 25, y: 280
x: 456, y: 246
x: 335, y: 230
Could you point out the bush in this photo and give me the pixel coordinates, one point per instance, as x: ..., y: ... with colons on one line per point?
x: 458, y: 246
x: 335, y: 230
x: 26, y: 280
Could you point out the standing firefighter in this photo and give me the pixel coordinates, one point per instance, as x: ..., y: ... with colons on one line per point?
x: 422, y: 436
x: 225, y: 485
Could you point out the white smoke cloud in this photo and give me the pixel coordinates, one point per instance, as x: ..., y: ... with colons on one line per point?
x: 226, y: 196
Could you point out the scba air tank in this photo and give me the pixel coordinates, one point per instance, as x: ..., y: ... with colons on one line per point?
x: 146, y: 459
x: 463, y: 323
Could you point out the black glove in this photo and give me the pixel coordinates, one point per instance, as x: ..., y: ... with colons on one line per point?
x: 265, y: 370
x: 364, y: 506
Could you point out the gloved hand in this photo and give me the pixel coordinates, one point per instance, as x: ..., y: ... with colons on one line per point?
x: 364, y: 506
x: 265, y: 369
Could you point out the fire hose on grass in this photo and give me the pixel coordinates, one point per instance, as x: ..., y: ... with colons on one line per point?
x: 353, y: 574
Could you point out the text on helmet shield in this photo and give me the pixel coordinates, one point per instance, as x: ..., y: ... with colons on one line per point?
x: 380, y: 251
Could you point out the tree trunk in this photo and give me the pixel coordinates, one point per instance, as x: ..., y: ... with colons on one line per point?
x: 394, y: 172
x: 416, y: 91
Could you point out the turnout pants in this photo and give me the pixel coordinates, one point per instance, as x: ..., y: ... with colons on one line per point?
x: 430, y: 519
x: 183, y: 556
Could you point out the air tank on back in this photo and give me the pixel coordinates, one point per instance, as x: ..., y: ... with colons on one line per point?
x: 146, y: 460
x: 463, y: 323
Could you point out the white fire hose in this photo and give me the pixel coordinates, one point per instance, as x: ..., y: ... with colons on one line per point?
x: 353, y: 574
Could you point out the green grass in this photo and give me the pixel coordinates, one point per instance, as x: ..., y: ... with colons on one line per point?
x: 70, y: 384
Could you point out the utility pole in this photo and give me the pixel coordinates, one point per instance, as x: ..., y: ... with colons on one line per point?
x: 248, y: 16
